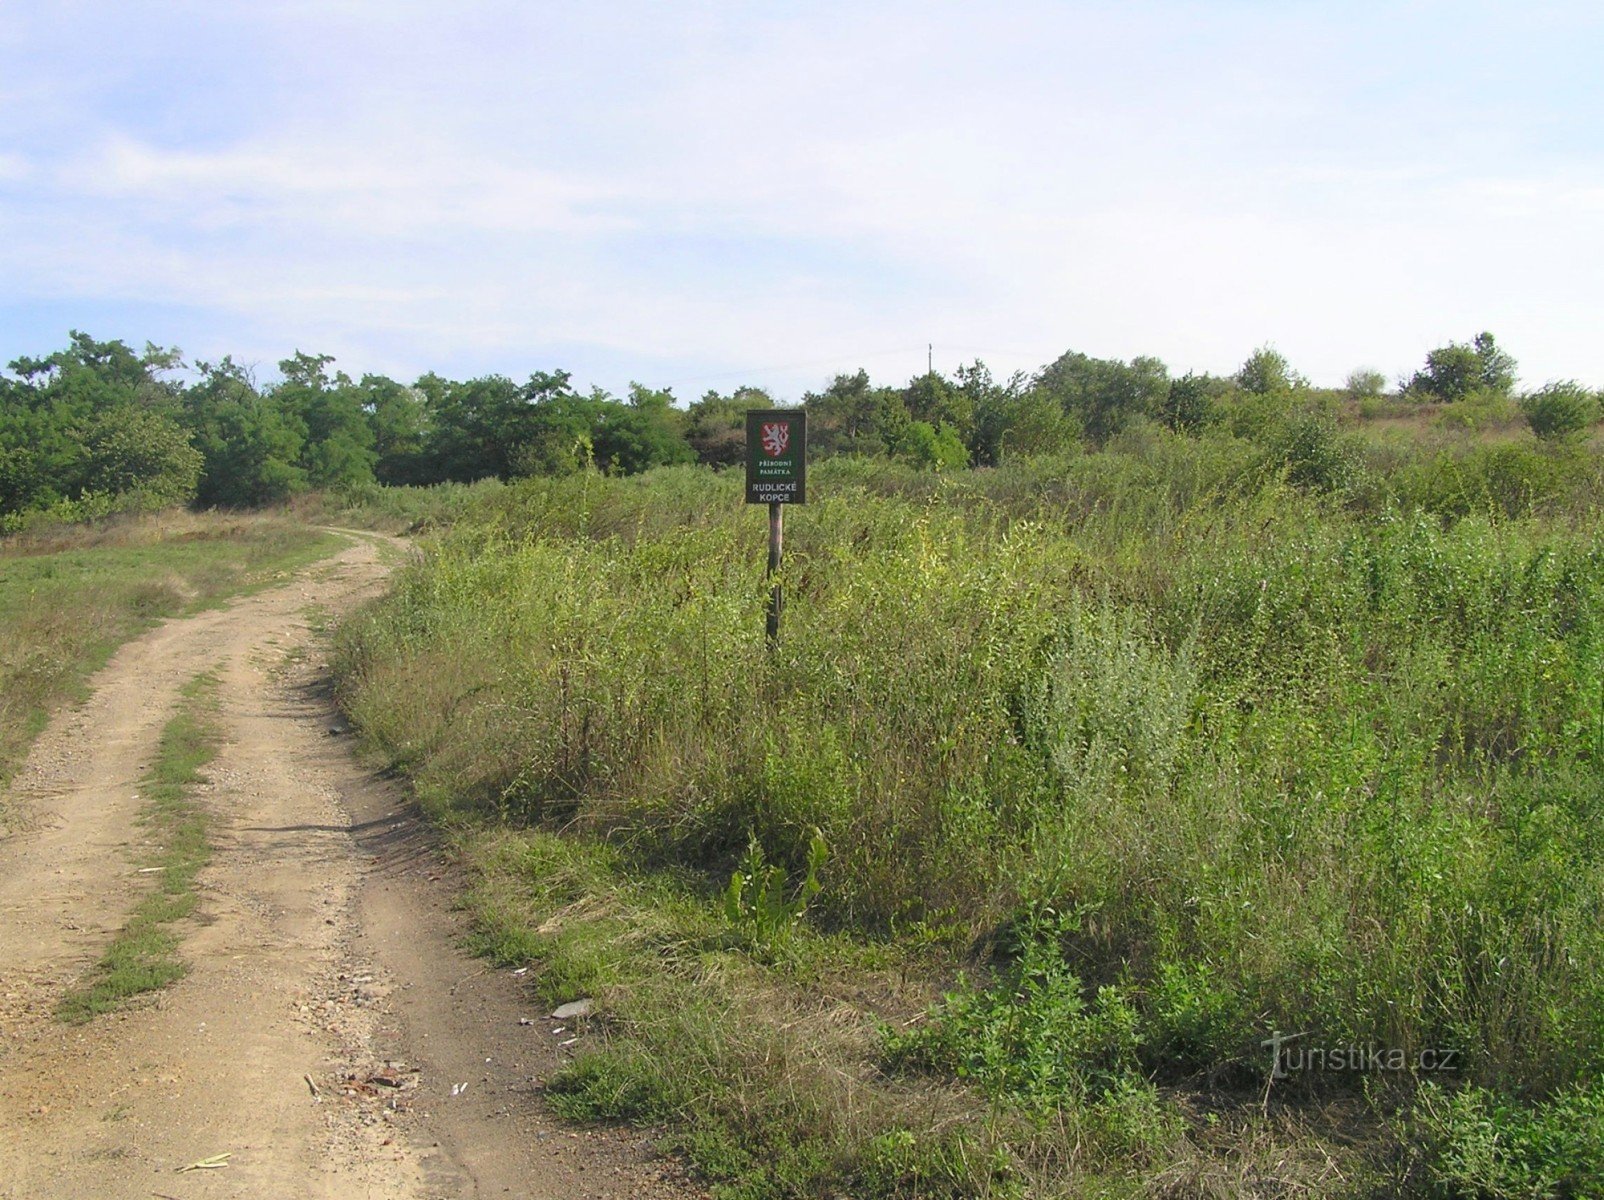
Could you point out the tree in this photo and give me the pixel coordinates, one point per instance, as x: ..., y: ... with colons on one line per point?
x: 990, y: 407
x: 338, y: 449
x: 647, y: 432
x: 852, y: 416
x: 41, y: 456
x: 251, y: 456
x: 1267, y: 372
x: 1038, y: 425
x: 476, y: 427
x: 1105, y: 395
x: 250, y: 446
x: 73, y: 422
x: 716, y: 425
x: 561, y: 437
x: 934, y: 400
x: 93, y: 376
x: 1453, y: 371
x: 1189, y: 404
x: 561, y: 432
x: 130, y: 450
x: 1497, y: 365
x: 397, y: 415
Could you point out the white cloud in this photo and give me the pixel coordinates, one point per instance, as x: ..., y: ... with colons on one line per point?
x: 714, y: 184
x: 345, y: 188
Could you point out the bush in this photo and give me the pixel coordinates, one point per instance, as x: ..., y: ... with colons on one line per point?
x: 1511, y: 480
x: 1479, y: 411
x: 1189, y: 405
x: 1478, y: 1143
x: 933, y: 447
x: 1311, y: 452
x: 141, y: 452
x: 1454, y: 371
x: 1365, y: 383
x: 1560, y: 410
x: 1036, y: 1038
x: 1267, y: 372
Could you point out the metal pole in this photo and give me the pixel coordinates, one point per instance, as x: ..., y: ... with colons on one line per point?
x: 776, y: 544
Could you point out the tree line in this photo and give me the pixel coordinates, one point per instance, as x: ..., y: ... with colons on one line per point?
x: 99, y: 423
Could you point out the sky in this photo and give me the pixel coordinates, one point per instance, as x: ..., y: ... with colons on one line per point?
x: 707, y: 194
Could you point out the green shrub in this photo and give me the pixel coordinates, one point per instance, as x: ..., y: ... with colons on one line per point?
x: 1312, y: 453
x: 1196, y: 1016
x: 1560, y: 410
x: 1478, y: 1143
x: 1479, y: 411
x: 756, y: 902
x: 1035, y: 1037
x: 1509, y: 480
x: 1365, y: 383
x: 932, y: 447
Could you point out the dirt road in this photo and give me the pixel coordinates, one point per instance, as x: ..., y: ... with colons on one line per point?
x: 323, y: 965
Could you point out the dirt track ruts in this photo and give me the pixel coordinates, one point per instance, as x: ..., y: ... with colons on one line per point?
x: 325, y: 949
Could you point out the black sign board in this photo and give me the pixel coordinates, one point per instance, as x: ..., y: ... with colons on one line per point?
x: 776, y: 456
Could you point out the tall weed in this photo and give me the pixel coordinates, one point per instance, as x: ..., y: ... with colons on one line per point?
x: 1296, y: 757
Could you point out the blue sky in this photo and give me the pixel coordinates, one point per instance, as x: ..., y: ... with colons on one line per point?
x: 707, y: 194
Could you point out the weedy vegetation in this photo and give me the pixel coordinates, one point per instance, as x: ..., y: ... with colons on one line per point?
x: 389, y: 509
x: 1070, y: 782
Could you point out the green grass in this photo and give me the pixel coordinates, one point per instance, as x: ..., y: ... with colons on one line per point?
x: 1122, y: 762
x: 391, y: 509
x: 69, y: 597
x: 143, y: 956
x: 760, y: 1067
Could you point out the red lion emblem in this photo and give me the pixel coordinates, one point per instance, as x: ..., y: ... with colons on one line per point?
x: 776, y: 437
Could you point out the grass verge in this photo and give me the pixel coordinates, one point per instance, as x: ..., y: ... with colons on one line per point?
x: 765, y: 1052
x: 143, y: 956
x: 753, y: 1043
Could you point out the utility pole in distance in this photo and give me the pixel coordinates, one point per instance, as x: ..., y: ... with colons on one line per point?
x: 776, y: 475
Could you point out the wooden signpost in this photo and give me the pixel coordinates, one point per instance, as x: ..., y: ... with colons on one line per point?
x: 776, y: 475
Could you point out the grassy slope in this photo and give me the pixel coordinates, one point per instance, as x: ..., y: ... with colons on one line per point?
x: 1195, y: 754
x: 70, y: 597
